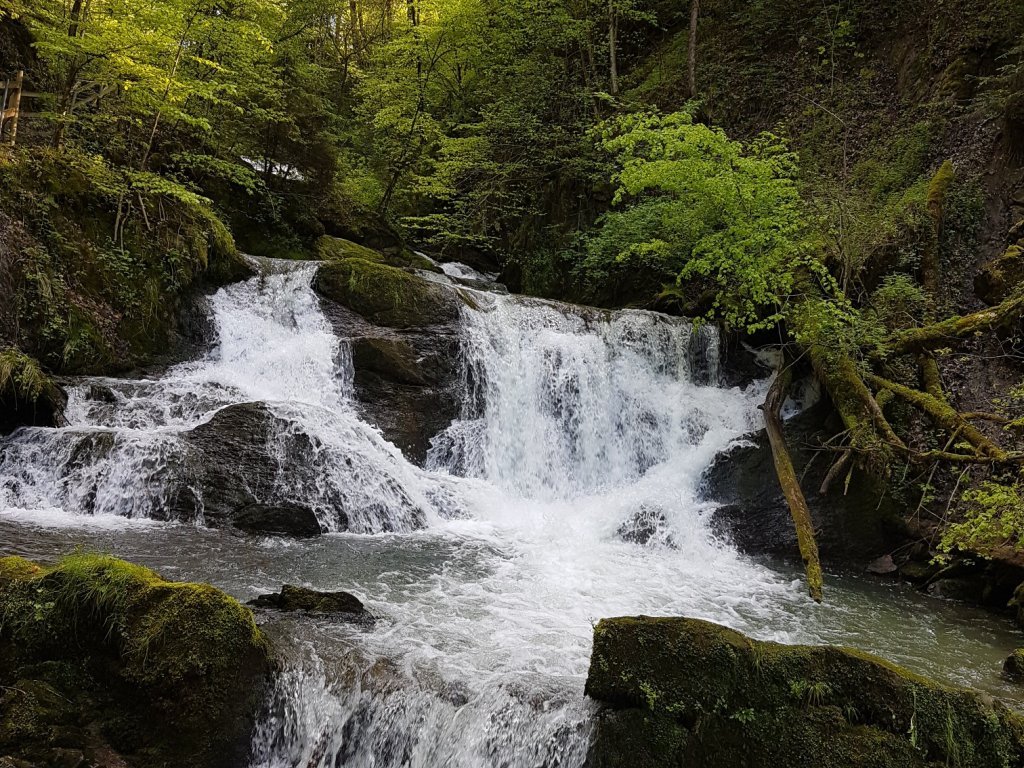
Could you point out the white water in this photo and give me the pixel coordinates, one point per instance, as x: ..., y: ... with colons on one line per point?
x: 575, y: 423
x: 124, y: 450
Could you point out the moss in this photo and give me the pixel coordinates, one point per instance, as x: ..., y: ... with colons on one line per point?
x: 337, y: 249
x: 760, y: 703
x: 170, y: 672
x: 386, y: 295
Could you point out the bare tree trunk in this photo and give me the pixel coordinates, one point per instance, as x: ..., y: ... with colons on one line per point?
x: 791, y: 485
x: 691, y: 62
x: 613, y: 43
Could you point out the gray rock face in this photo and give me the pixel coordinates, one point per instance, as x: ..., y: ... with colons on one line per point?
x: 230, y: 476
x: 856, y: 527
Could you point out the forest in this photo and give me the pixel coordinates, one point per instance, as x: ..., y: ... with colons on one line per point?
x: 836, y: 185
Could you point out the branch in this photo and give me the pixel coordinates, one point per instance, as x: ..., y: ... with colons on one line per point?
x: 951, y: 330
x: 943, y: 414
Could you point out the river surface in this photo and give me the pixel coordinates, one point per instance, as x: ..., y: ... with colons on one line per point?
x: 487, y: 567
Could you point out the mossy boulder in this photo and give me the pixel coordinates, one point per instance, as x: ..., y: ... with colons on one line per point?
x: 338, y: 249
x: 689, y: 692
x: 386, y: 295
x: 102, y: 662
x: 1013, y: 667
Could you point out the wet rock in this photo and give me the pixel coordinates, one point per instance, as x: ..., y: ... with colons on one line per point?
x: 688, y: 692
x: 28, y: 397
x: 883, y: 566
x: 292, y: 598
x: 407, y: 382
x: 648, y: 525
x: 231, y: 470
x: 106, y: 664
x: 281, y: 519
x: 1013, y: 667
x: 857, y: 526
x: 385, y: 295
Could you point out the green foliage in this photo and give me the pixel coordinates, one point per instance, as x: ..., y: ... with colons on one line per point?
x: 693, y: 204
x: 22, y: 375
x: 993, y: 519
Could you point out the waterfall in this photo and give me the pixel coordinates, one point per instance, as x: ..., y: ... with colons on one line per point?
x: 567, y: 490
x: 133, y: 447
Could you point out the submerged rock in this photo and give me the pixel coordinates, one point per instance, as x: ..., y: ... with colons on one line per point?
x: 103, y: 663
x: 281, y: 519
x: 686, y: 692
x: 648, y: 525
x: 292, y: 598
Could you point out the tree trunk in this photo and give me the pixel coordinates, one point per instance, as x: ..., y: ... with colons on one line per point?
x: 691, y: 59
x: 791, y: 485
x: 613, y: 34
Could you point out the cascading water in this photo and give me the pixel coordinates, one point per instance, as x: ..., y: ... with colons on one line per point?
x: 566, y: 492
x: 275, y: 347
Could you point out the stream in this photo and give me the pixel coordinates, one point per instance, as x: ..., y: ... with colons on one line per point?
x: 569, y: 489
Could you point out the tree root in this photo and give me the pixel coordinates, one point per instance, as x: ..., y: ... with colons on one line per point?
x: 791, y: 485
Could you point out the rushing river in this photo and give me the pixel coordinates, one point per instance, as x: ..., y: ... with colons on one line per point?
x: 487, y: 568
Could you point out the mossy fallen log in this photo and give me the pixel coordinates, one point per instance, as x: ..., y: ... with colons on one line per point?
x: 685, y: 692
x: 104, y: 662
x: 791, y: 484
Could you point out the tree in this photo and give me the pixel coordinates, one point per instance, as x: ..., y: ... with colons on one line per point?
x: 691, y: 47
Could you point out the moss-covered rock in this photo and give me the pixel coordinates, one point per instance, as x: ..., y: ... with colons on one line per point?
x: 105, y: 660
x: 386, y: 295
x: 337, y: 249
x: 998, y: 278
x: 694, y: 693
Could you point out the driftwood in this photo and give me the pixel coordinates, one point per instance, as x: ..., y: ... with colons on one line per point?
x: 791, y: 485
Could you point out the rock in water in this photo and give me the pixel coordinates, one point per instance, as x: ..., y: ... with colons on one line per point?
x: 105, y: 664
x: 685, y: 692
x: 277, y: 519
x: 1013, y: 667
x: 292, y: 598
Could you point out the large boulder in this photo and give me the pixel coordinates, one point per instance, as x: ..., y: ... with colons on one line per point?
x: 685, y: 692
x: 386, y: 295
x: 405, y: 347
x: 407, y: 385
x: 231, y: 474
x: 103, y: 663
x: 857, y: 523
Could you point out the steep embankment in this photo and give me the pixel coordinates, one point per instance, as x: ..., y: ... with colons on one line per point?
x: 908, y: 124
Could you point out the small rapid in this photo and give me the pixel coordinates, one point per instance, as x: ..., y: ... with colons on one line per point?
x: 567, y: 490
